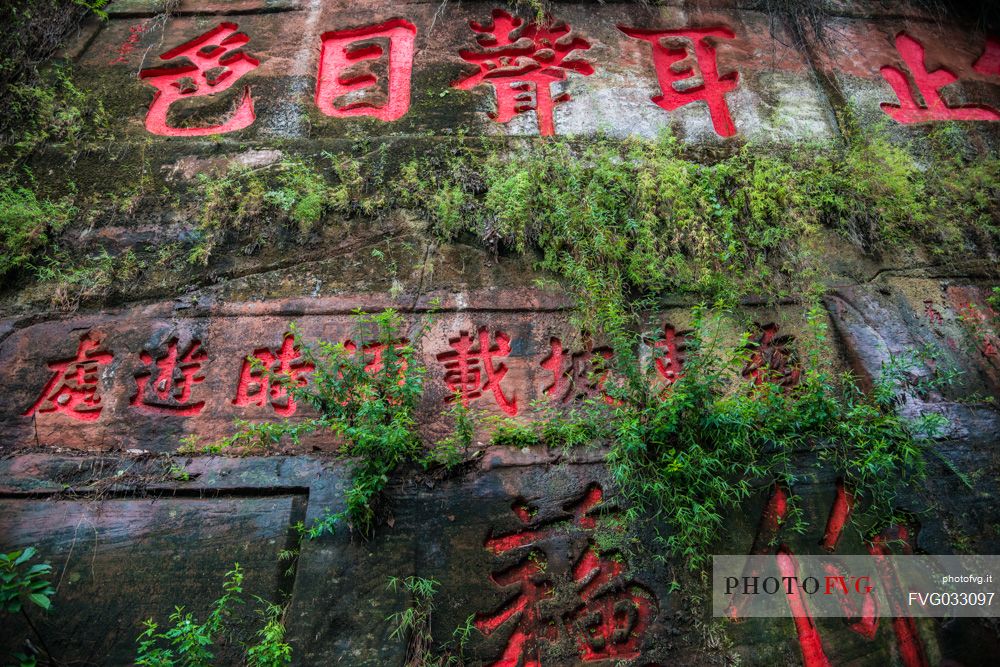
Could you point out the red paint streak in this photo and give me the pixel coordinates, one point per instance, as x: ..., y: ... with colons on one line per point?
x: 578, y: 374
x: 809, y: 641
x: 504, y: 543
x: 170, y: 393
x: 612, y: 620
x: 843, y: 502
x: 344, y: 49
x: 255, y: 388
x: 928, y: 84
x: 523, y: 608
x: 770, y: 522
x: 989, y: 62
x: 468, y: 362
x: 911, y: 650
x: 671, y: 69
x: 522, y: 61
x: 72, y: 389
x: 866, y: 623
x: 772, y: 358
x: 767, y: 534
x: 670, y: 360
x: 217, y: 65
x: 126, y: 47
x: 591, y: 499
x: 523, y: 510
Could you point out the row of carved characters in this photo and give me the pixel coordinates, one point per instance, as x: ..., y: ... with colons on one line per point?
x: 472, y: 368
x: 521, y: 60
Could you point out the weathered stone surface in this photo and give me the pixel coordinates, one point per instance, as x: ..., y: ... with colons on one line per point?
x: 460, y: 531
x: 130, y: 536
x: 119, y: 561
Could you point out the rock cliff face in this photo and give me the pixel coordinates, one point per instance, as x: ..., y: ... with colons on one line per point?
x: 249, y: 183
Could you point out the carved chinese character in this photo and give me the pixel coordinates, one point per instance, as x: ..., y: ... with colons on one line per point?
x: 522, y: 61
x: 470, y: 360
x: 256, y: 387
x: 342, y: 91
x: 863, y: 619
x: 72, y: 389
x: 932, y: 313
x: 578, y: 374
x: 928, y: 85
x: 606, y: 616
x: 126, y: 47
x: 375, y: 351
x: 170, y: 392
x: 687, y: 57
x: 215, y: 66
x: 772, y: 358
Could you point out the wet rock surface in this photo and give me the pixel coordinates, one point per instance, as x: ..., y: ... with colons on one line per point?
x: 98, y: 395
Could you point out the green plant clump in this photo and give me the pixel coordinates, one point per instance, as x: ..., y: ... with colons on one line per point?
x: 367, y: 406
x: 699, y: 448
x: 190, y: 643
x: 24, y: 582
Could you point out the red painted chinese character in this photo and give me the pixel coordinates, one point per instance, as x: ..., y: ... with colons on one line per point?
x: 342, y: 50
x: 373, y: 354
x: 669, y: 354
x: 522, y: 61
x: 675, y: 64
x: 72, y: 389
x: 126, y: 47
x: 609, y: 615
x: 928, y: 85
x: 932, y: 313
x: 465, y: 367
x: 977, y: 319
x: 865, y: 622
x: 170, y: 392
x: 578, y: 374
x: 215, y: 67
x: 256, y: 387
x: 772, y: 359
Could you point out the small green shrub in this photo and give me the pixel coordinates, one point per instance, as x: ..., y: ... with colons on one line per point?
x: 190, y: 643
x: 23, y: 582
x: 413, y: 625
x: 369, y: 410
x: 27, y: 225
x: 256, y: 204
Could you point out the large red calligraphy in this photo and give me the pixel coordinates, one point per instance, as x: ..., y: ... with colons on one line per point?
x: 671, y: 69
x: 343, y: 50
x: 522, y: 61
x: 216, y: 65
x: 928, y: 85
x: 72, y: 389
